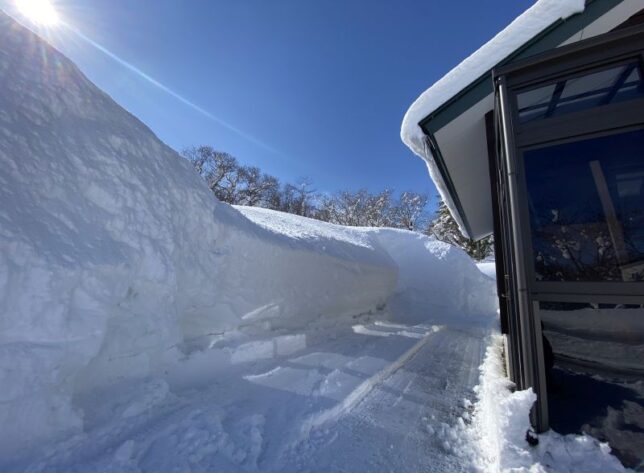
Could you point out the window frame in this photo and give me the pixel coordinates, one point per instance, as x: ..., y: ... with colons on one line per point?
x: 613, y: 49
x: 554, y: 79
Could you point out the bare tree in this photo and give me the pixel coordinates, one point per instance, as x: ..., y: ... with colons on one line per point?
x: 258, y: 188
x: 358, y: 209
x: 231, y: 182
x: 299, y: 199
x: 248, y: 185
x: 220, y: 170
x: 409, y: 212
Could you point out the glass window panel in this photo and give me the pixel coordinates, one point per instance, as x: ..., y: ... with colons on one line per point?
x: 598, y: 81
x: 586, y: 203
x: 534, y: 103
x: 599, y: 88
x: 598, y: 349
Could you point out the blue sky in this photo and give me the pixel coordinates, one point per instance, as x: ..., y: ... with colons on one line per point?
x: 306, y: 88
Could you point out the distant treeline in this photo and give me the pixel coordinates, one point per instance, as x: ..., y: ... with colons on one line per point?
x: 238, y: 184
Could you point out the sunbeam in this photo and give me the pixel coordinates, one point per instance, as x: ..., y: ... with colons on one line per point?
x: 172, y: 93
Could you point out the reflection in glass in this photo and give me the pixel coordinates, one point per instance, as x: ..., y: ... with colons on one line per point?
x: 586, y: 201
x: 617, y: 84
x: 595, y: 374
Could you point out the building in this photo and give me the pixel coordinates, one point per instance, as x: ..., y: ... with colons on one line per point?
x: 538, y: 138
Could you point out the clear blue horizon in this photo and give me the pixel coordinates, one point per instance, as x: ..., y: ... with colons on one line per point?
x: 300, y: 89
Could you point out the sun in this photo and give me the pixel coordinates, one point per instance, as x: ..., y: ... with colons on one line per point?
x: 41, y: 12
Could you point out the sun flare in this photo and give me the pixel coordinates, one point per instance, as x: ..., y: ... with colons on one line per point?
x: 41, y: 12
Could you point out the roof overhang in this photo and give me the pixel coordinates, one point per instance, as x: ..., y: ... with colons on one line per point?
x: 446, y: 127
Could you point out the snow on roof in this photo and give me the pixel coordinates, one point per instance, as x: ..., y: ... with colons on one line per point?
x: 532, y: 22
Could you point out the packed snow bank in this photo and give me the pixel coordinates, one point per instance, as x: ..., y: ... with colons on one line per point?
x: 435, y: 279
x: 116, y: 260
x: 488, y: 268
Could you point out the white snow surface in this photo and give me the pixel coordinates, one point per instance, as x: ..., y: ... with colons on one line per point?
x: 440, y: 276
x: 529, y: 24
x: 495, y: 439
x: 146, y: 327
x: 488, y: 268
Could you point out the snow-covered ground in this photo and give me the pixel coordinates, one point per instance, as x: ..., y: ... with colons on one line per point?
x: 146, y: 327
x: 495, y: 439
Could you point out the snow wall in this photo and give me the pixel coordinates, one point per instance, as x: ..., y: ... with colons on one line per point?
x: 116, y: 260
x: 436, y: 279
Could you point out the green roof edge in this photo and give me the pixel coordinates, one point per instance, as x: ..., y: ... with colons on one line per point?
x: 548, y: 39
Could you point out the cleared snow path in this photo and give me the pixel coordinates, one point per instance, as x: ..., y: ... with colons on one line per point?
x: 402, y: 424
x: 373, y: 396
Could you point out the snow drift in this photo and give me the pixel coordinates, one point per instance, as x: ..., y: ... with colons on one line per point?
x: 116, y: 261
x: 436, y: 278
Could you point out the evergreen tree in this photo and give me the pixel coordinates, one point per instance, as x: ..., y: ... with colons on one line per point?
x: 445, y: 228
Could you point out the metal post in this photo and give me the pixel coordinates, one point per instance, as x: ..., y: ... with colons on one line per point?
x: 532, y: 349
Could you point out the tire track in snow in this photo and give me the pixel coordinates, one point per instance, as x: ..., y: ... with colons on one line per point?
x: 364, y: 388
x: 403, y: 423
